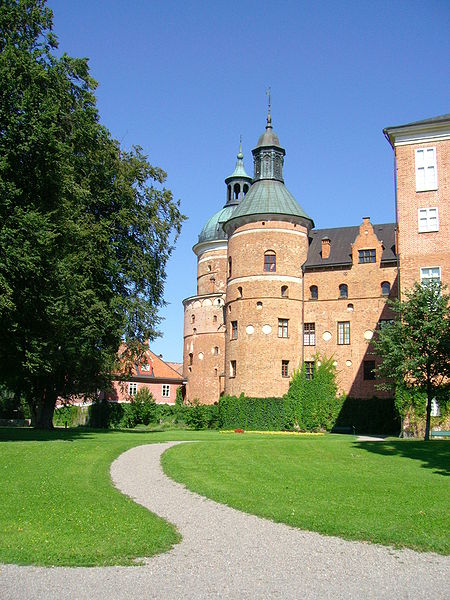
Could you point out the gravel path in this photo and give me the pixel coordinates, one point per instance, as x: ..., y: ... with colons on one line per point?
x: 228, y: 554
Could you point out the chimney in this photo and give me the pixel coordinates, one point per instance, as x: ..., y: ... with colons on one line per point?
x: 326, y: 247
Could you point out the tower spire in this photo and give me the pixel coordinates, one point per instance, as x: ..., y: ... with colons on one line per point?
x: 269, y: 116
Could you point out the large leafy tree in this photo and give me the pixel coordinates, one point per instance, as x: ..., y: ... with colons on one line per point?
x: 86, y: 228
x: 415, y: 347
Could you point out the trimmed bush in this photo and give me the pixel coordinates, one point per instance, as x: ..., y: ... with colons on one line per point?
x: 255, y: 414
x: 70, y: 416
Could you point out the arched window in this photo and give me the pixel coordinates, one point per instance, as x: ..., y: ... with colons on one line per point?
x: 192, y: 318
x: 385, y: 288
x: 343, y: 290
x: 237, y: 191
x: 314, y: 292
x: 239, y: 292
x: 284, y: 291
x: 229, y: 193
x: 270, y: 261
x: 245, y: 188
x: 191, y: 358
x: 216, y: 350
x: 230, y: 262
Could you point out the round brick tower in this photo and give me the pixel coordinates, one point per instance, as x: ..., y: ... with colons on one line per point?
x: 267, y: 246
x: 204, y: 330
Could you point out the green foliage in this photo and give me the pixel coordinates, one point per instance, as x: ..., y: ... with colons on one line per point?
x: 415, y: 348
x: 316, y: 400
x: 142, y: 409
x: 201, y: 416
x: 86, y: 228
x: 11, y: 407
x: 411, y: 405
x: 255, y: 414
x: 70, y: 416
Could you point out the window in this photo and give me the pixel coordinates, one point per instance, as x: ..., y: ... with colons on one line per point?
x: 165, y: 390
x: 308, y: 367
x: 284, y: 291
x: 215, y: 319
x: 232, y: 368
x: 216, y: 350
x: 234, y: 330
x: 343, y: 332
x: 385, y: 288
x: 343, y: 290
x: 145, y: 368
x: 430, y: 275
x: 240, y: 294
x: 132, y: 389
x: 191, y: 358
x: 428, y: 219
x: 314, y: 292
x: 284, y: 368
x: 283, y: 328
x: 230, y: 266
x: 367, y: 256
x: 309, y: 334
x: 369, y: 370
x: 192, y: 318
x: 270, y: 261
x: 426, y: 169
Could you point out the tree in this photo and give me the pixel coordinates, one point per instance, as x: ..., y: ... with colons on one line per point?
x: 415, y: 347
x: 86, y: 228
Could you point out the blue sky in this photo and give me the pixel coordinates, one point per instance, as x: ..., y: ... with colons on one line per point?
x: 185, y: 79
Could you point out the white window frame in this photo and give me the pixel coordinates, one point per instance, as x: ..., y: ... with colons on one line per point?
x: 427, y: 277
x: 132, y: 389
x: 166, y: 390
x: 426, y: 169
x: 428, y: 219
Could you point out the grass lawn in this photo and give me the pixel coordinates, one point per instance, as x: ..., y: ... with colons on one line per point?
x: 392, y: 492
x: 58, y: 505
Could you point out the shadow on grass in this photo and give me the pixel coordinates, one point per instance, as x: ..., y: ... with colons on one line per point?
x: 433, y: 455
x: 28, y: 434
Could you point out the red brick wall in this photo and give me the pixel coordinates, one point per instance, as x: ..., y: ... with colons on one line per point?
x: 431, y: 249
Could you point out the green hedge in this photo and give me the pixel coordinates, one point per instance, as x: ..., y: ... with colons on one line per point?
x: 70, y: 416
x: 111, y: 415
x: 256, y: 414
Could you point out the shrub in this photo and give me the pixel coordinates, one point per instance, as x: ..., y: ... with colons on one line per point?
x: 315, y: 401
x: 70, y: 416
x: 258, y: 414
x: 201, y: 416
x: 103, y: 414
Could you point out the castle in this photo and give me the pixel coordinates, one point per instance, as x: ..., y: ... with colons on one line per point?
x: 273, y: 293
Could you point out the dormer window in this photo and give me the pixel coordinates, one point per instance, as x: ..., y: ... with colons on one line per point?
x: 367, y: 256
x: 270, y: 261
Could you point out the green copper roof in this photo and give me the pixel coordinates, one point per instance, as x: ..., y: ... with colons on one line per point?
x: 239, y: 169
x: 213, y: 229
x: 269, y: 197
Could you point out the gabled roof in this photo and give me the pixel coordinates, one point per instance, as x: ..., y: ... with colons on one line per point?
x: 154, y: 369
x: 341, y: 240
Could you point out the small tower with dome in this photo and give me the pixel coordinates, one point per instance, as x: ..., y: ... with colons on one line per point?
x: 204, y: 330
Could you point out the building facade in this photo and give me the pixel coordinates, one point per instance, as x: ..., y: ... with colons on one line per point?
x: 274, y: 293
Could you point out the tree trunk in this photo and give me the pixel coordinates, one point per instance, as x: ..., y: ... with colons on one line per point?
x: 42, y: 411
x: 428, y: 419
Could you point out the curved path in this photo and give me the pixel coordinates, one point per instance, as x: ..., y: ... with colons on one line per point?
x: 227, y: 554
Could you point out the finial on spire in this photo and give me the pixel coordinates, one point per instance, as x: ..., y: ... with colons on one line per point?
x: 240, y: 155
x: 269, y: 116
